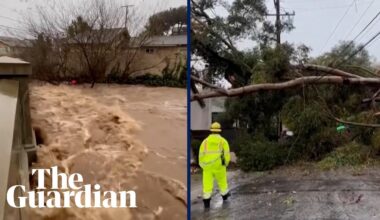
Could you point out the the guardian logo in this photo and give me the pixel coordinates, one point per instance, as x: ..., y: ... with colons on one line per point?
x: 71, y: 190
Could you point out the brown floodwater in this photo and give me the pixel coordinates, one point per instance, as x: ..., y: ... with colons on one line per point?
x: 121, y: 137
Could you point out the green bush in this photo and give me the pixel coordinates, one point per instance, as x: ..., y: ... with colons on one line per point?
x: 149, y: 80
x: 258, y: 154
x: 352, y: 154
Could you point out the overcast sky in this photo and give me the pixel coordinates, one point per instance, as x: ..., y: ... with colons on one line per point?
x: 13, y: 11
x: 315, y: 21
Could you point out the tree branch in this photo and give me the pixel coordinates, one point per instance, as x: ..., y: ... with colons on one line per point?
x: 328, y: 70
x: 307, y: 80
x: 221, y: 90
x: 195, y: 91
x: 368, y: 100
x: 356, y: 123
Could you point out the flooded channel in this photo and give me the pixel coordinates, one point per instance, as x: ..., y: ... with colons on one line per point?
x: 118, y: 137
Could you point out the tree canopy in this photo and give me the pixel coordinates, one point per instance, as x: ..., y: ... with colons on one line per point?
x: 171, y: 21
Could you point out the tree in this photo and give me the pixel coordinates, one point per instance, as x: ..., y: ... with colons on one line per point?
x: 77, y: 27
x: 341, y: 52
x: 41, y: 56
x: 88, y: 41
x: 172, y: 21
x: 214, y: 37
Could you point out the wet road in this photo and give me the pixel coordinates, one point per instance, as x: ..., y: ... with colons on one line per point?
x: 285, y: 195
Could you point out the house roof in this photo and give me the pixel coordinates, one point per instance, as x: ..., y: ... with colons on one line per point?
x: 14, y: 67
x: 166, y: 41
x: 11, y: 60
x: 14, y: 42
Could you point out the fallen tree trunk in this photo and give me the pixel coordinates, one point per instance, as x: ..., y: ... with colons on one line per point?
x: 307, y: 80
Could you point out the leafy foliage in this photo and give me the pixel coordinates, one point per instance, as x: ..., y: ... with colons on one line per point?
x: 257, y: 153
x: 352, y: 154
x: 167, y: 79
x: 78, y: 26
x: 171, y: 21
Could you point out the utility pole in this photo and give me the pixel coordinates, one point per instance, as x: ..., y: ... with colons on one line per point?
x: 278, y: 20
x: 278, y: 42
x: 126, y: 14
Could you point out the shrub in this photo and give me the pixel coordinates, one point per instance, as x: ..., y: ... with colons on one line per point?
x: 258, y: 154
x: 148, y: 80
x: 351, y: 154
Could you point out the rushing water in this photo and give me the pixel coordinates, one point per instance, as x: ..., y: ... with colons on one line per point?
x: 89, y: 131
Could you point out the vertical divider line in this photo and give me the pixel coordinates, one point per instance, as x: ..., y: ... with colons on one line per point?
x: 188, y: 110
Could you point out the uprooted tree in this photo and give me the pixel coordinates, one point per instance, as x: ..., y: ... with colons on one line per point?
x: 274, y: 81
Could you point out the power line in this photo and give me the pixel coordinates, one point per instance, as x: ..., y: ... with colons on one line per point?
x: 353, y: 54
x: 369, y: 29
x: 360, y: 48
x: 337, y: 25
x: 369, y: 24
x: 356, y: 37
x: 323, y: 8
x: 360, y: 19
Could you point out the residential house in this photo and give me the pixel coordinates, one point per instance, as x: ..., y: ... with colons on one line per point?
x: 10, y: 46
x: 158, y: 54
x: 203, y: 114
x: 203, y: 117
x: 139, y: 55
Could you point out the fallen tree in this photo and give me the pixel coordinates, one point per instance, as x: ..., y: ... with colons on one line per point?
x: 301, y: 81
x: 339, y: 77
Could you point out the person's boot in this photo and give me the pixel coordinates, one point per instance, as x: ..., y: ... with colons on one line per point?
x: 206, y: 203
x: 225, y: 197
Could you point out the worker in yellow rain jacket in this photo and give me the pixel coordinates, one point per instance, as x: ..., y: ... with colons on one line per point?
x: 214, y: 157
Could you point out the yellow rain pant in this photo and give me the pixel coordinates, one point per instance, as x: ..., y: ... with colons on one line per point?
x: 211, y: 152
x: 220, y: 175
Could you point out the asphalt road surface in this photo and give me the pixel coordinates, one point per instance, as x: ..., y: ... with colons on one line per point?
x: 293, y: 193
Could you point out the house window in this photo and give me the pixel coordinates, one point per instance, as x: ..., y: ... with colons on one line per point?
x: 215, y: 116
x: 149, y: 50
x: 3, y: 50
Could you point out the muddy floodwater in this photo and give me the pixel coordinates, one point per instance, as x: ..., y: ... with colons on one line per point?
x: 121, y: 137
x: 295, y: 194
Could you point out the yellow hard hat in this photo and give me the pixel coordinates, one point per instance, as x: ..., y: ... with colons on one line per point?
x: 215, y: 127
